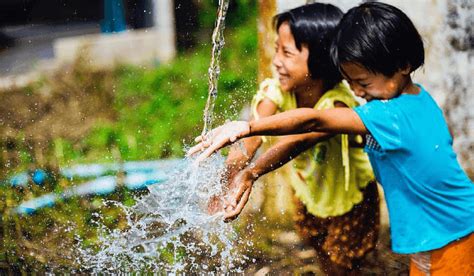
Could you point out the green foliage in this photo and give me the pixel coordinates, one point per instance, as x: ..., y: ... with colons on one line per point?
x: 150, y: 114
x: 238, y: 14
x: 161, y: 110
x: 131, y: 113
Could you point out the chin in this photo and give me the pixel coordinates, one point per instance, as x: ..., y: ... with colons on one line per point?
x: 284, y: 86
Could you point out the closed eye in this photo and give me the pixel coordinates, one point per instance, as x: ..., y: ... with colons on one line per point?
x: 287, y: 53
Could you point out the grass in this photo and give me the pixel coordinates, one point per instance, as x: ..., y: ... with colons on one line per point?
x: 81, y: 116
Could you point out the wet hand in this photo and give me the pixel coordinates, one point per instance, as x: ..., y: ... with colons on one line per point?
x: 216, y: 202
x: 215, y: 205
x: 239, y: 196
x: 231, y: 213
x: 219, y: 138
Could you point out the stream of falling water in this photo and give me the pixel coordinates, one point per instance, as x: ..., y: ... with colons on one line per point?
x: 169, y: 229
x: 214, y: 68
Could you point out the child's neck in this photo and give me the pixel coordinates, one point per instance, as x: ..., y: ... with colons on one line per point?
x: 408, y: 87
x: 309, y: 95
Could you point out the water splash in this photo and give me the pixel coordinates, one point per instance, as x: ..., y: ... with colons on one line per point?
x: 169, y: 230
x: 214, y: 69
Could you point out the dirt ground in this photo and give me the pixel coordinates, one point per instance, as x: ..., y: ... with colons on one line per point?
x: 277, y: 249
x: 289, y: 256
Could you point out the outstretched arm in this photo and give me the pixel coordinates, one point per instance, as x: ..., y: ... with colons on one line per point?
x: 301, y: 120
x: 281, y: 153
x: 285, y: 150
x: 240, y: 155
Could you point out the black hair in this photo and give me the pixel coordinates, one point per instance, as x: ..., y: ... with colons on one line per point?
x: 380, y: 38
x: 313, y: 26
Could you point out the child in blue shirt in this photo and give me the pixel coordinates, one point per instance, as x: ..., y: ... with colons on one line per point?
x: 430, y: 198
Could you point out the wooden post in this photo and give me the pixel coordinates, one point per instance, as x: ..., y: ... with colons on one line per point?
x: 266, y: 37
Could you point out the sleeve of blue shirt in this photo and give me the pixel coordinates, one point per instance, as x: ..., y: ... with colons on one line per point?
x: 382, y: 123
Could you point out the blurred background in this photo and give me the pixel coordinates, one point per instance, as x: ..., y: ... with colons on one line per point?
x: 94, y: 92
x: 99, y: 83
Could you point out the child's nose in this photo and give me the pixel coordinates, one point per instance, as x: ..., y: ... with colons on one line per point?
x: 276, y: 61
x: 359, y: 92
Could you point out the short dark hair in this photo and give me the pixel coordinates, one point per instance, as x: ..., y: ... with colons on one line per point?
x: 379, y: 37
x: 313, y: 25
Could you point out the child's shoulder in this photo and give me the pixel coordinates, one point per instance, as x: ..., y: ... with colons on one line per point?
x: 339, y: 93
x: 270, y: 89
x: 415, y: 101
x: 269, y: 84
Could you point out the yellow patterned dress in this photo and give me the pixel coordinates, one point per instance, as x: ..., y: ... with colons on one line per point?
x: 336, y: 198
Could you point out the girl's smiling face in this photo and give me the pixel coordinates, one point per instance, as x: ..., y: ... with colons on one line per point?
x: 369, y: 86
x: 290, y: 63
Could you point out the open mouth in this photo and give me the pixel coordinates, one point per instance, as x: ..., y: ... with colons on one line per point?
x: 283, y: 76
x: 368, y: 98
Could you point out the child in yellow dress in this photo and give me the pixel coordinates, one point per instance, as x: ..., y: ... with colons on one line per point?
x: 336, y: 199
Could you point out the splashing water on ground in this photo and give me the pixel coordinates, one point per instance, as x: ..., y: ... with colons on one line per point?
x: 169, y: 229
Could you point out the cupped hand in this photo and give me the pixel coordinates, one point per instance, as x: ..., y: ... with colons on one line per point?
x: 216, y: 202
x: 219, y: 138
x: 239, y: 195
x: 215, y: 205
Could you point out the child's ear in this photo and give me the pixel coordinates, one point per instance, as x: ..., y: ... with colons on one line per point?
x: 406, y: 70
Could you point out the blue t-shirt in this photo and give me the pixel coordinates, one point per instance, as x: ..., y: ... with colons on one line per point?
x: 430, y: 198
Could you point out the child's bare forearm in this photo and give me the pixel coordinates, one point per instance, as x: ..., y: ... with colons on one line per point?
x: 239, y: 157
x: 295, y: 121
x: 303, y: 120
x: 284, y: 151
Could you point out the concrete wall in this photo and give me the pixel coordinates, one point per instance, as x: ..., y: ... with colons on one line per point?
x: 156, y: 44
